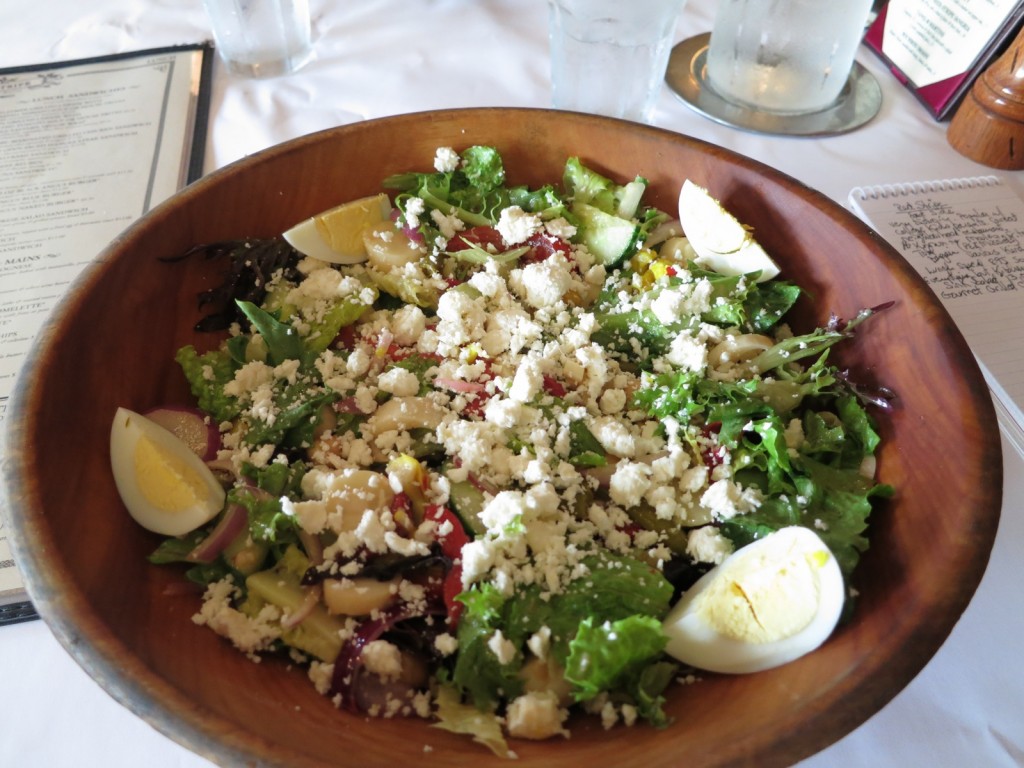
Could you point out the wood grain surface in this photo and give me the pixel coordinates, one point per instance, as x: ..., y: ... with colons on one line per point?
x: 111, y: 343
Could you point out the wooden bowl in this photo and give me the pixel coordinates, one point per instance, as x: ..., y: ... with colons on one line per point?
x: 112, y: 340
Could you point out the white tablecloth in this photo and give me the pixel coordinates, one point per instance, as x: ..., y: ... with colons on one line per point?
x: 382, y: 57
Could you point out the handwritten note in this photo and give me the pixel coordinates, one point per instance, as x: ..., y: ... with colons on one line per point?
x: 971, y: 251
x: 965, y: 237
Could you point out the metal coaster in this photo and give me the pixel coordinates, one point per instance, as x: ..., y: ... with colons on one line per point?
x: 858, y: 102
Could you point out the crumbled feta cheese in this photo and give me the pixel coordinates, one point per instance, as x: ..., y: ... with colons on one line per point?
x: 446, y: 160
x: 414, y: 208
x: 527, y: 382
x: 614, y: 437
x: 539, y: 643
x: 543, y: 283
x: 560, y: 228
x: 248, y: 634
x: 383, y: 659
x: 726, y: 499
x: 446, y: 644
x: 629, y: 483
x: 536, y: 715
x: 707, y: 545
x: 687, y: 352
x: 502, y: 648
x: 408, y: 324
x: 517, y: 226
x: 448, y: 225
x: 612, y: 401
x: 399, y: 382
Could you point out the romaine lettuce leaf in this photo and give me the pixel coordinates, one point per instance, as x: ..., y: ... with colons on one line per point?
x: 293, y: 416
x: 207, y: 374
x: 347, y: 311
x: 611, y: 655
x: 834, y: 502
x: 614, y: 589
x: 456, y: 717
x: 268, y: 522
x: 283, y: 341
x: 478, y: 673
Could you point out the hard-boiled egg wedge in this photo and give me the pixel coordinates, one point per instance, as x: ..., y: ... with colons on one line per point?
x: 336, y: 235
x: 722, y: 243
x: 165, y: 486
x: 765, y: 605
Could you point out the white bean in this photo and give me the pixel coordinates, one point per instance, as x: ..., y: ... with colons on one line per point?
x: 404, y: 413
x: 347, y: 494
x: 735, y: 351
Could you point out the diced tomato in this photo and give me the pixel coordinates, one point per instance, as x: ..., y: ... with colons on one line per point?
x: 554, y: 387
x: 451, y: 589
x: 543, y: 246
x: 477, y: 236
x: 346, y: 338
x: 400, y: 501
x: 452, y: 541
x: 713, y: 452
x: 631, y: 529
x: 401, y: 510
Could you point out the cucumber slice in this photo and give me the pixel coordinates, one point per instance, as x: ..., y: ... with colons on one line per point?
x: 629, y: 198
x: 319, y: 634
x: 467, y: 502
x: 609, y: 239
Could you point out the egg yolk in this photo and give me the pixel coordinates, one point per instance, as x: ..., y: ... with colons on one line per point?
x: 166, y: 481
x: 764, y: 599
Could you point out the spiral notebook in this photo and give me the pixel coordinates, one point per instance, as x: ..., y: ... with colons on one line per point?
x: 966, y: 239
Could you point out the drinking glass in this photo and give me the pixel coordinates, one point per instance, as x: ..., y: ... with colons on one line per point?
x: 784, y: 56
x: 608, y: 56
x: 261, y: 38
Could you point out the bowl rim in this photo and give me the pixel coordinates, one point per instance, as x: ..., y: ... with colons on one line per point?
x: 110, y: 662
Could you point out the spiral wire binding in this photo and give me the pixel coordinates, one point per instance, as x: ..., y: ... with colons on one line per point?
x: 885, y: 191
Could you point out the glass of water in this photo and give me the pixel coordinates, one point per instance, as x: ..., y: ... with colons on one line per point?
x: 261, y: 38
x: 784, y: 56
x: 609, y: 57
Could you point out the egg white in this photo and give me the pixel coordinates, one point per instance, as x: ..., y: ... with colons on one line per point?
x: 722, y: 243
x: 309, y: 239
x: 175, y: 470
x: 305, y: 237
x: 694, y: 641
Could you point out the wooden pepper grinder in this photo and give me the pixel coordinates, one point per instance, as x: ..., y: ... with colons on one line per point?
x: 988, y: 127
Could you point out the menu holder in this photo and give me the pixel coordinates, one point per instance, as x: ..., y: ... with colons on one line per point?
x: 937, y: 48
x: 965, y: 237
x: 89, y: 146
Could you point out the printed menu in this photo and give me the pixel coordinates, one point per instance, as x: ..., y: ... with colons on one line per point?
x: 937, y: 48
x: 88, y: 146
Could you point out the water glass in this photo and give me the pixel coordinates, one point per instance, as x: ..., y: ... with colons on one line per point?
x: 784, y: 56
x: 608, y: 56
x: 261, y: 38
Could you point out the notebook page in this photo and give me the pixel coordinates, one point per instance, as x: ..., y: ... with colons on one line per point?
x: 966, y: 239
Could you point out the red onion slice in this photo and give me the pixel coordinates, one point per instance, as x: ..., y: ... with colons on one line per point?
x: 191, y: 426
x: 311, y: 600
x: 458, y: 385
x: 346, y: 678
x: 230, y: 525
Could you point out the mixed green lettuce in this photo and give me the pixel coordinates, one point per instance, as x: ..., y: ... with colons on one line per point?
x: 603, y: 629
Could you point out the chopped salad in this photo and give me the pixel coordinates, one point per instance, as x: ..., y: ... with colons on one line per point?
x: 472, y: 458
